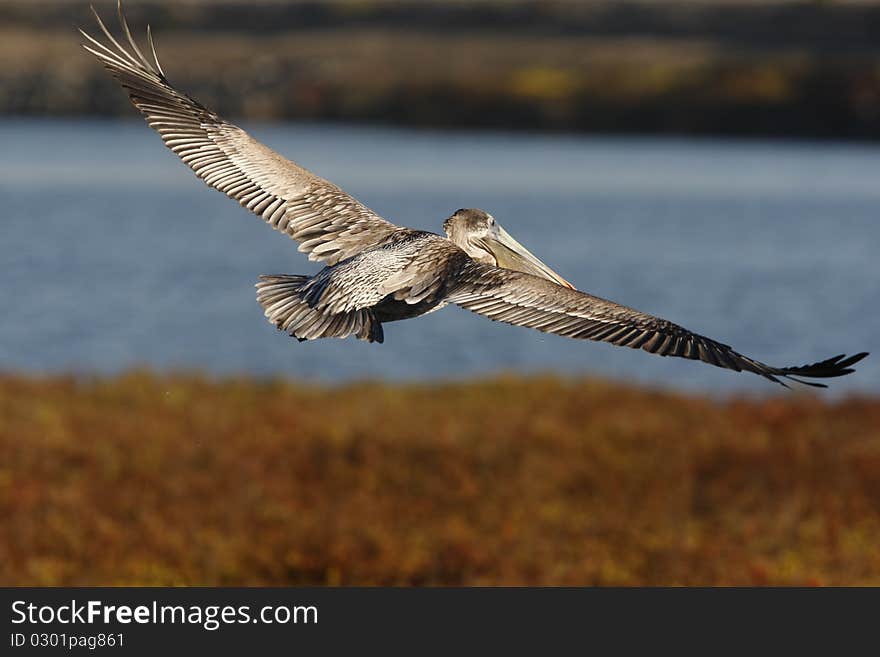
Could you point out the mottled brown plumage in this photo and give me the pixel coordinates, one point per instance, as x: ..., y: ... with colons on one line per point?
x: 377, y: 272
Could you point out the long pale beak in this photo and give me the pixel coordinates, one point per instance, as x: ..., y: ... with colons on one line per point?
x: 510, y: 254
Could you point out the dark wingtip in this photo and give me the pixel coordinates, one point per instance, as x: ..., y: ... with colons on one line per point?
x: 852, y: 360
x: 812, y: 384
x: 839, y: 365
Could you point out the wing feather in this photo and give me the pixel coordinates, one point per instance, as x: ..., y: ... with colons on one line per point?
x: 525, y: 300
x: 329, y: 224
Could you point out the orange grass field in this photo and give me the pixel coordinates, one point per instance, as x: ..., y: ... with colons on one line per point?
x: 182, y: 479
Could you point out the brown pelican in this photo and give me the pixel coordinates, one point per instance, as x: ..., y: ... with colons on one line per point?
x: 377, y: 272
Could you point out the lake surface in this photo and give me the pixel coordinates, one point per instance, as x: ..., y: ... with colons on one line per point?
x: 114, y: 255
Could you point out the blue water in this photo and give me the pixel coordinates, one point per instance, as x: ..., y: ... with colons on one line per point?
x: 114, y: 255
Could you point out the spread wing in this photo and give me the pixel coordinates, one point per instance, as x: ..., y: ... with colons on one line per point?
x: 329, y: 224
x: 525, y: 300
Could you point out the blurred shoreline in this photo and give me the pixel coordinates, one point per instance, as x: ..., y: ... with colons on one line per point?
x: 779, y: 69
x: 148, y: 479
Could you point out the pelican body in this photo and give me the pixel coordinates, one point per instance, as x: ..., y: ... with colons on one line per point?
x: 376, y: 272
x: 407, y: 274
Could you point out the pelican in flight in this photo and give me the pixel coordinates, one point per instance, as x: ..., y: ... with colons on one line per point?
x: 376, y: 272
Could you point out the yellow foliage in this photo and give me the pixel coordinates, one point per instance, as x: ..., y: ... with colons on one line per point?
x: 544, y: 83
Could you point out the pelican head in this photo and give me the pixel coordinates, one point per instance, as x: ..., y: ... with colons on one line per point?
x: 483, y: 239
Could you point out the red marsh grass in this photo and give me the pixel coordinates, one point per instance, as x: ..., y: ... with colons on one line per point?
x: 181, y: 479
